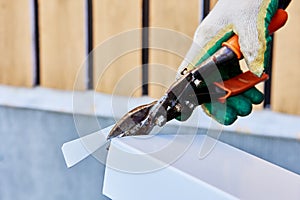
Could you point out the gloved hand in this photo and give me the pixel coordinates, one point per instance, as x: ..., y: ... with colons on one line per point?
x: 240, y: 105
x: 249, y: 19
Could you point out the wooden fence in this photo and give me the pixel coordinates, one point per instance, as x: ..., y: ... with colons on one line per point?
x: 46, y: 42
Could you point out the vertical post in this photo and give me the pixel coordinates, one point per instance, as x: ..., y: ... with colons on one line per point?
x: 90, y: 46
x: 267, y: 85
x: 36, y: 43
x: 145, y: 47
x: 206, y: 8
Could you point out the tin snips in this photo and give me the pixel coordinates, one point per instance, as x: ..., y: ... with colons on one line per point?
x: 192, y: 89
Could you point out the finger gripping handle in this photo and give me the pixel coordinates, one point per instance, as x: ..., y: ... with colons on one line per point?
x: 278, y: 21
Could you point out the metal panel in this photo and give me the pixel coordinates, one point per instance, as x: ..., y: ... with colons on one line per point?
x: 223, y: 172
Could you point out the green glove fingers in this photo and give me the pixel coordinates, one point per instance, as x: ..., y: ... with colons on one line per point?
x: 227, y: 113
x: 240, y: 104
x: 254, y: 95
x: 222, y: 113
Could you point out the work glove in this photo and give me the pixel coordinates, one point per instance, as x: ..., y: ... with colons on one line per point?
x: 249, y: 19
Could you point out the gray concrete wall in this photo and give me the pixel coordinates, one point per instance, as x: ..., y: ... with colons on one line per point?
x: 32, y: 165
x: 283, y: 152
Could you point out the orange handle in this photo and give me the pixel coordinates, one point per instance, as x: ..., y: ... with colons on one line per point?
x: 239, y: 84
x: 278, y: 21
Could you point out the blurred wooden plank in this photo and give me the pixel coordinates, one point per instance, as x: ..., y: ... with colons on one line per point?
x: 213, y: 3
x: 286, y: 81
x: 16, y: 43
x: 62, y: 43
x: 117, y: 61
x: 181, y: 18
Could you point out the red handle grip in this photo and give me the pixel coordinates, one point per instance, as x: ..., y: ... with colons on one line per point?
x: 239, y: 84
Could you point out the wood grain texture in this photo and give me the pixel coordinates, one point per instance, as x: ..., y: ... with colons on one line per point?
x: 117, y: 42
x: 62, y: 43
x: 286, y: 81
x: 16, y: 43
x: 168, y: 49
x: 213, y: 3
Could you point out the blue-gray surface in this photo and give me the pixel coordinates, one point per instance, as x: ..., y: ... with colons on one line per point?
x: 32, y: 165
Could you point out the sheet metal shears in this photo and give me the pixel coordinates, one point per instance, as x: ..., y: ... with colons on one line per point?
x: 191, y: 90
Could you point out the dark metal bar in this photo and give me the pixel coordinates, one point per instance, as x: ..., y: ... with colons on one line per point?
x: 268, y: 85
x: 145, y: 47
x: 90, y: 45
x: 36, y: 42
x: 206, y: 8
